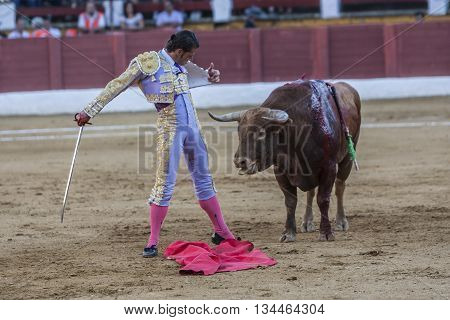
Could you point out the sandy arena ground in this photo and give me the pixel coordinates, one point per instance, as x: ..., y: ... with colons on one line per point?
x: 398, y: 245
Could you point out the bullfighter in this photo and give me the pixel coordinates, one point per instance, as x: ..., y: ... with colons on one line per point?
x: 165, y: 79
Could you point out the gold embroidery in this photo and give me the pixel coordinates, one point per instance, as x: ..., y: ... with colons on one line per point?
x: 166, y: 88
x: 93, y: 108
x: 181, y: 79
x: 166, y: 129
x: 148, y: 62
x: 166, y: 66
x: 181, y: 84
x: 166, y: 77
x: 113, y: 89
x: 181, y: 90
x: 160, y: 98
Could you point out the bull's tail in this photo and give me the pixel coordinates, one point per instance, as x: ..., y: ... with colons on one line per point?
x: 350, y: 145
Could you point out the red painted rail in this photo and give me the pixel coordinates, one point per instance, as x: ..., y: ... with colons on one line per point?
x: 353, y: 51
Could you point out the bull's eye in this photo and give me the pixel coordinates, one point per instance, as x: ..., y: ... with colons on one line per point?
x: 261, y: 134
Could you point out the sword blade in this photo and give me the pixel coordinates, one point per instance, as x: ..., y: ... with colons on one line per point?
x: 71, y: 172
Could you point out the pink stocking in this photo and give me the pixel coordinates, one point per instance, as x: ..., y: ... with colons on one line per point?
x: 212, y: 208
x: 157, y: 216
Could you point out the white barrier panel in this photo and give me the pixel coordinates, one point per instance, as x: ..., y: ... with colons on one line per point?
x: 437, y: 7
x: 215, y: 96
x: 330, y: 9
x: 221, y: 10
x: 7, y: 15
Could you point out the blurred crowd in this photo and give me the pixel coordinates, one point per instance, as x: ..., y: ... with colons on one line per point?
x: 100, y: 15
x: 41, y: 28
x: 96, y: 18
x: 69, y: 3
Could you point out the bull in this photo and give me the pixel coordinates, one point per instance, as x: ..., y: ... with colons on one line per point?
x: 300, y: 131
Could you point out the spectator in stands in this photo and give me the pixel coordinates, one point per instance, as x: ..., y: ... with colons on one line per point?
x: 131, y: 20
x: 38, y: 28
x: 255, y: 12
x: 43, y: 28
x: 279, y: 10
x: 19, y: 32
x: 55, y: 32
x: 170, y: 18
x: 250, y: 21
x: 251, y: 14
x: 91, y: 21
x: 71, y: 32
x: 221, y: 10
x: 419, y: 16
x: 113, y: 12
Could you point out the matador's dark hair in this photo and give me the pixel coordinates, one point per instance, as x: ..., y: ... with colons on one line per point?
x: 185, y: 40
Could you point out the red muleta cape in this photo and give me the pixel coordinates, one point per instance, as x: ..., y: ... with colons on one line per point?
x: 230, y: 255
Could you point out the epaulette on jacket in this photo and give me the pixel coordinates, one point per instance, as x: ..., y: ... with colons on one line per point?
x: 148, y: 62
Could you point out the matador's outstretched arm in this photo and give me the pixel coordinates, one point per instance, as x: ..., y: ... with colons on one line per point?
x: 143, y: 65
x: 113, y: 89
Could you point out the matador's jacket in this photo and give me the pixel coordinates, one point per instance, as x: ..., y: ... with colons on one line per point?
x: 167, y: 84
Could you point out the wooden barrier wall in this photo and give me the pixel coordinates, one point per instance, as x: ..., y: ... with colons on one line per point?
x: 362, y: 51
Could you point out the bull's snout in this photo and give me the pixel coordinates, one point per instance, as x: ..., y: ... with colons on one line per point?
x: 241, y: 163
x: 245, y: 165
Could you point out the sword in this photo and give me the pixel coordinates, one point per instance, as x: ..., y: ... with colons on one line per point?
x: 71, y: 172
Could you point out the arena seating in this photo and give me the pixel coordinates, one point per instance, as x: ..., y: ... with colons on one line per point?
x: 239, y: 6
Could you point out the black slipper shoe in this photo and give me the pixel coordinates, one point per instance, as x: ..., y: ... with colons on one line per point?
x: 217, y: 238
x: 150, y: 252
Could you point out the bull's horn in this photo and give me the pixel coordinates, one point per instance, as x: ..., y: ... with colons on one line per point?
x: 277, y: 116
x: 228, y: 117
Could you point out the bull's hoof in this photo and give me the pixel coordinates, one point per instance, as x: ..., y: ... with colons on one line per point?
x: 341, y: 225
x: 288, y: 237
x: 326, y: 236
x: 307, y: 227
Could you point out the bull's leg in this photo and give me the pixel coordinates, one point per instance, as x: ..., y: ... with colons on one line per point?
x: 323, y: 201
x: 341, y: 220
x: 307, y: 224
x: 290, y: 200
x: 344, y: 169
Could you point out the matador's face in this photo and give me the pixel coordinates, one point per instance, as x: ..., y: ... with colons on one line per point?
x: 182, y: 57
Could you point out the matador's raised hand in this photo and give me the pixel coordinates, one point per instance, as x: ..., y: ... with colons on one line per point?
x: 213, y: 74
